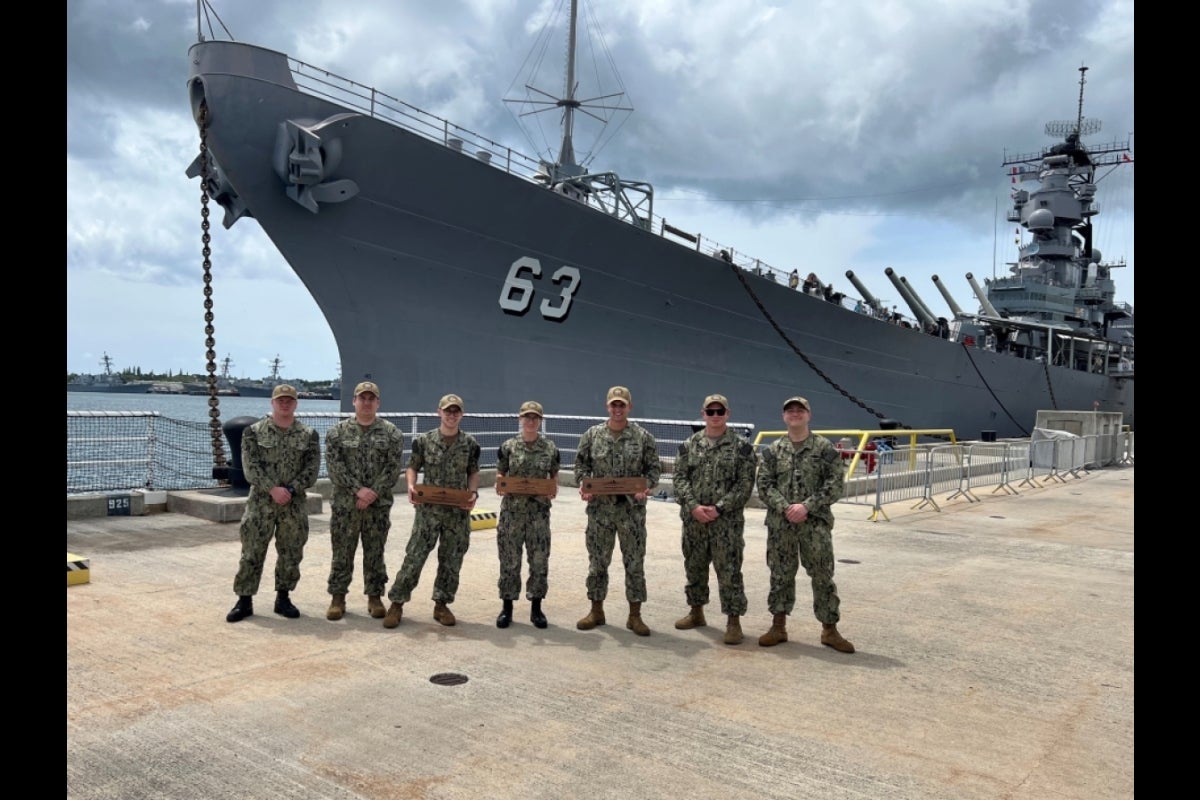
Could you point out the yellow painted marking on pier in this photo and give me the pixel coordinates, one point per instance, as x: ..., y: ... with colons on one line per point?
x: 481, y: 519
x: 78, y: 569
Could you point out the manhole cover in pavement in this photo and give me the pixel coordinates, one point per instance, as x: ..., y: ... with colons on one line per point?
x: 448, y: 679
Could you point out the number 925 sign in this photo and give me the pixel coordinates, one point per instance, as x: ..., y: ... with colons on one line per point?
x: 525, y: 280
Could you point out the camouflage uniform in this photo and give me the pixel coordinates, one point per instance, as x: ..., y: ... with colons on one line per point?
x: 809, y: 473
x: 525, y: 519
x: 447, y: 527
x: 610, y: 517
x: 274, y: 456
x: 357, y: 457
x: 714, y: 473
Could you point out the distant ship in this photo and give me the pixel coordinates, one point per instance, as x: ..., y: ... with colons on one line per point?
x: 108, y: 381
x: 225, y: 385
x: 502, y: 277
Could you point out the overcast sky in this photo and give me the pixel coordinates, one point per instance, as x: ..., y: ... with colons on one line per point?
x: 816, y: 135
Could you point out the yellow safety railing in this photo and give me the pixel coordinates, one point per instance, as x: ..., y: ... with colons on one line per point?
x: 865, y: 436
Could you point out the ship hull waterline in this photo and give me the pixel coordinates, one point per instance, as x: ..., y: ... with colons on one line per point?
x: 413, y: 275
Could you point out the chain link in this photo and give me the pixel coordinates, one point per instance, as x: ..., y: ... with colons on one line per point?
x: 214, y: 400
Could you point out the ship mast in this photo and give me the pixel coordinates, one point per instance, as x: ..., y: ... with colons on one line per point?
x: 632, y: 201
x: 106, y: 362
x: 566, y: 154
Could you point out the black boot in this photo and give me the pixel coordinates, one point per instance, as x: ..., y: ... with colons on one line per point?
x: 284, y: 607
x: 535, y: 613
x: 243, y: 609
x: 505, y: 617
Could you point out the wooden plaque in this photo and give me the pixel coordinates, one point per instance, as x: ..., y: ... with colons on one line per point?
x: 614, y: 485
x: 437, y: 495
x: 512, y: 484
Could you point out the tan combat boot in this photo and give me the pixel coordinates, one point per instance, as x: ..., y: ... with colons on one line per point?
x: 694, y: 619
x: 778, y: 632
x: 375, y: 606
x: 442, y: 614
x: 595, y: 617
x: 337, y: 607
x: 394, y: 613
x: 831, y: 638
x: 634, y: 623
x: 733, y: 630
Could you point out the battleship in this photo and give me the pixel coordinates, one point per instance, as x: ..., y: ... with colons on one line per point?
x: 108, y: 381
x: 503, y: 277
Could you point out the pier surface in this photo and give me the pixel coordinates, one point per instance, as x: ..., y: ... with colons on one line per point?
x: 995, y: 660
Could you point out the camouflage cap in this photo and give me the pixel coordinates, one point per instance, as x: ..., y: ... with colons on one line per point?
x: 716, y: 398
x: 285, y: 390
x: 451, y: 400
x: 799, y: 400
x: 619, y: 393
x: 530, y: 407
x: 367, y: 386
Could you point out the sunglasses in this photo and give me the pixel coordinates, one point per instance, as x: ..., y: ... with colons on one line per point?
x: 714, y: 412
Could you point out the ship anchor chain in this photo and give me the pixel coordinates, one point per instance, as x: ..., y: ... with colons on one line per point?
x: 737, y: 272
x: 214, y: 400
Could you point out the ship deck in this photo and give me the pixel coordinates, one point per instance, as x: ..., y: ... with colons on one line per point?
x: 995, y: 660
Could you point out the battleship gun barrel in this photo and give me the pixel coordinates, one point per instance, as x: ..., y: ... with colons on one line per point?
x: 919, y: 300
x: 917, y: 309
x: 984, y: 303
x: 954, y: 309
x: 862, y: 290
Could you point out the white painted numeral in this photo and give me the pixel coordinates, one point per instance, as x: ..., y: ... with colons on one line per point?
x: 516, y: 295
x: 517, y: 292
x: 569, y: 277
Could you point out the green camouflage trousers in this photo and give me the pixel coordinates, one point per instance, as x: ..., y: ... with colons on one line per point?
x: 812, y: 541
x: 262, y: 520
x: 720, y: 543
x: 347, y: 525
x: 447, y: 528
x: 527, y: 530
x: 608, y: 522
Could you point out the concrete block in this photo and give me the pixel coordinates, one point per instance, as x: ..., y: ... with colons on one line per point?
x: 223, y: 505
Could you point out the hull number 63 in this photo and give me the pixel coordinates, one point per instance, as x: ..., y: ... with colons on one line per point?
x: 516, y: 295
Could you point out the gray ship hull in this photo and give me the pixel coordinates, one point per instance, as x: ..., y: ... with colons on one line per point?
x: 444, y: 274
x: 123, y: 388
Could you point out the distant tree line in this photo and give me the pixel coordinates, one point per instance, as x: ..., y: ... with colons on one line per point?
x: 130, y: 374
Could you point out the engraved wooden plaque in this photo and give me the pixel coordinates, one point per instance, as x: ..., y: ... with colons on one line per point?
x: 439, y: 496
x: 614, y: 485
x: 534, y: 486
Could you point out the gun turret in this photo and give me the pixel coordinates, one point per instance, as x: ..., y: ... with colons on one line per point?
x: 928, y: 311
x: 954, y: 309
x: 918, y: 310
x: 862, y: 290
x: 984, y: 303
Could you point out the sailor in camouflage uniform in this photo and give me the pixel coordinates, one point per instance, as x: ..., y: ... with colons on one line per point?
x: 364, y: 456
x: 525, y: 519
x: 714, y: 476
x: 449, y: 457
x: 617, y: 448
x: 281, y: 458
x: 800, y: 477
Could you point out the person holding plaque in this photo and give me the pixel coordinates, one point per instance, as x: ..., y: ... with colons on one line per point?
x: 714, y: 476
x: 616, y: 466
x: 524, y: 522
x: 449, y: 458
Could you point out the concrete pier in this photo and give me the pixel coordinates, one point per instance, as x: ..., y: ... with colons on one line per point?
x: 995, y: 660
